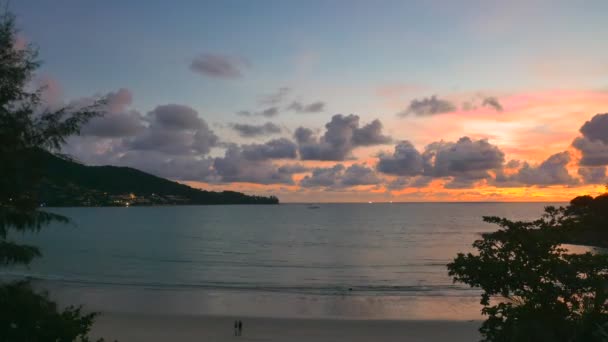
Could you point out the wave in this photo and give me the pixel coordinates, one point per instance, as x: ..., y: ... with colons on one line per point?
x: 441, y: 290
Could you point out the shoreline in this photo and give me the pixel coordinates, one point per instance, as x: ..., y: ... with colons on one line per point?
x: 163, y: 327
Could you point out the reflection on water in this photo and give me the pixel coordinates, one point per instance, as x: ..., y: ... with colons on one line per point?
x: 264, y: 304
x: 341, y: 260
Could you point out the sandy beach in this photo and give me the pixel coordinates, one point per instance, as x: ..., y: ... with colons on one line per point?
x: 156, y: 328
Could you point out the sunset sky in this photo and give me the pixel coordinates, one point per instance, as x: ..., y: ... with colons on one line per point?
x: 341, y: 101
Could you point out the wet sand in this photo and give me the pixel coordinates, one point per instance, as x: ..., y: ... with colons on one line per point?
x: 152, y: 328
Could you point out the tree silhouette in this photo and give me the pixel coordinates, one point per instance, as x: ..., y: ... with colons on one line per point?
x: 26, y: 127
x: 533, y: 288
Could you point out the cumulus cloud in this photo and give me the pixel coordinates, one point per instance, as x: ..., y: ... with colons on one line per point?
x: 120, y: 125
x: 552, y: 171
x: 594, y: 152
x: 314, y: 107
x: 594, y: 142
x: 405, y: 161
x: 218, y: 66
x: 249, y: 131
x: 467, y: 161
x: 370, y: 134
x: 252, y: 164
x: 175, y: 129
x: 593, y: 175
x: 358, y: 174
x: 428, y: 106
x: 117, y: 120
x: 464, y: 162
x: 339, y: 176
x: 466, y: 158
x: 323, y: 176
x: 178, y: 117
x: 342, y: 135
x: 293, y: 168
x: 304, y: 135
x: 597, y: 128
x: 274, y: 149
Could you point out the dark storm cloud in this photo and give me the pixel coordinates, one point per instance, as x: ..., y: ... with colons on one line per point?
x: 594, y: 142
x: 314, y: 107
x: 249, y: 131
x: 405, y: 161
x: 428, y: 106
x: 218, y: 66
x: 339, y: 176
x: 593, y: 175
x: 492, y: 102
x: 342, y: 135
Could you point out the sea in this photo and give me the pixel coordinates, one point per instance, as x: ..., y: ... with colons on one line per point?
x: 338, y: 261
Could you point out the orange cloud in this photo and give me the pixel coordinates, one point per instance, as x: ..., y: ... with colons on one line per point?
x: 531, y: 127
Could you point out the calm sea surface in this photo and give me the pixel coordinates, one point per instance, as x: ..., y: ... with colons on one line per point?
x: 369, y: 261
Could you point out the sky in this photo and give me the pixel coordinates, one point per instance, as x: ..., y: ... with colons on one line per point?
x: 336, y: 101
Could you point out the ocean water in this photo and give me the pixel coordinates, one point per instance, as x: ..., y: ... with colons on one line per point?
x: 361, y: 261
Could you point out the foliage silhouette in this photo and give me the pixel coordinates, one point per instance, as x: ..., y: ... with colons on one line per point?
x: 533, y: 288
x: 25, y: 129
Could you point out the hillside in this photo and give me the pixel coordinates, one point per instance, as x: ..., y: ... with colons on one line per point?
x: 69, y: 183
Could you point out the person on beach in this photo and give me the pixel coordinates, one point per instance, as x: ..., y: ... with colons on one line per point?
x: 236, y: 328
x: 240, y: 328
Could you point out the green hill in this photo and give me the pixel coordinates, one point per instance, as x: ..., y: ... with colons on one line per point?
x: 68, y: 183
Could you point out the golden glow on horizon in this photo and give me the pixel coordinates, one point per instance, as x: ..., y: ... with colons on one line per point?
x: 433, y: 193
x: 532, y: 127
